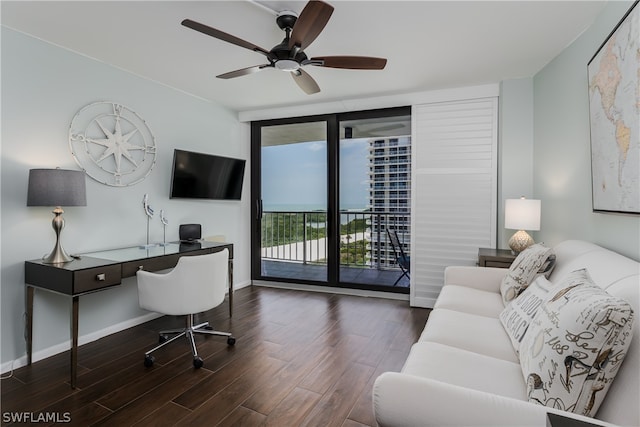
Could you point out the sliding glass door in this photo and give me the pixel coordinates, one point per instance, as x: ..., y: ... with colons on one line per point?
x: 292, y: 210
x: 323, y: 204
x: 375, y: 199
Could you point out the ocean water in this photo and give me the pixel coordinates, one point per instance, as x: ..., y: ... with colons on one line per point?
x: 275, y: 207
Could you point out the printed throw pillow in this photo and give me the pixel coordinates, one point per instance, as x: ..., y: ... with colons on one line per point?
x: 575, y: 345
x: 536, y: 259
x: 517, y: 316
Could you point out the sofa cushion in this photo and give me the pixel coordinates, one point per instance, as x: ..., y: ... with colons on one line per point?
x: 536, y: 259
x: 575, y: 345
x: 605, y: 267
x: 480, y: 334
x: 465, y: 369
x: 470, y: 300
x: 517, y: 316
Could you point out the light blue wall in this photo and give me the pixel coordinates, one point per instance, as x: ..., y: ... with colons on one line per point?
x: 562, y: 162
x: 515, y: 148
x: 43, y: 87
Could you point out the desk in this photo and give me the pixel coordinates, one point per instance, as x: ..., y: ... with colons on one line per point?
x: 98, y: 271
x: 501, y: 258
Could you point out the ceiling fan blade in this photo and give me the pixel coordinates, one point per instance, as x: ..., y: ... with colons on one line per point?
x: 221, y: 35
x: 310, y: 23
x: 350, y: 62
x: 305, y: 81
x: 243, y: 71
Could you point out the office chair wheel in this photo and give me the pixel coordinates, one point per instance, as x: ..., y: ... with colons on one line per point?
x: 148, y: 361
x: 231, y: 341
x: 163, y: 338
x: 197, y: 362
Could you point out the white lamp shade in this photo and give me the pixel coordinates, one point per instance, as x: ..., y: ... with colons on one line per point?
x: 522, y: 214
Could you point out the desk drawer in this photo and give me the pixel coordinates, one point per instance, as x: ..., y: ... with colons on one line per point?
x: 96, y: 278
x: 130, y: 268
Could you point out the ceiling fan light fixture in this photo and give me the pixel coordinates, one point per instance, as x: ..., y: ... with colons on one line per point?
x: 287, y: 65
x: 301, y: 30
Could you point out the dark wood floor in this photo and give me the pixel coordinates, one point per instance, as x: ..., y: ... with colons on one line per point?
x: 301, y: 358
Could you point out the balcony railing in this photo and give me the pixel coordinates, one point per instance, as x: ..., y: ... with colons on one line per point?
x: 300, y: 236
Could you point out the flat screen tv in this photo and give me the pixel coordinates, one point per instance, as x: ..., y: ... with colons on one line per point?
x: 206, y: 176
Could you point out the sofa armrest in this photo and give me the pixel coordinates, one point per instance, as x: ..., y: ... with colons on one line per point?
x: 482, y: 278
x: 401, y: 400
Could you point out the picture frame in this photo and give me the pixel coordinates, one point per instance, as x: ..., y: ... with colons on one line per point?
x: 614, y: 100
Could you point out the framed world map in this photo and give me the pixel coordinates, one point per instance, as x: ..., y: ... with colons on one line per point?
x: 614, y: 114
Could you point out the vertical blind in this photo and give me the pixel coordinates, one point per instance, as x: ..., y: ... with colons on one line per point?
x: 454, y: 189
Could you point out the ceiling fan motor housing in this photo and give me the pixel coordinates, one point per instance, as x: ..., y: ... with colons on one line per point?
x: 286, y: 20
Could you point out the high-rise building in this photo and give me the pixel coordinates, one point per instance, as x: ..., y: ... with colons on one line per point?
x: 389, y: 196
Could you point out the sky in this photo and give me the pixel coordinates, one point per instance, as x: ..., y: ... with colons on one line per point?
x: 294, y: 176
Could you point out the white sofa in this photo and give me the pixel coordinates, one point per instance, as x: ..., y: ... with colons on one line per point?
x: 463, y: 370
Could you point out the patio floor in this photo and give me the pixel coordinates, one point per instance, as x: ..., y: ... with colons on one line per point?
x: 361, y: 276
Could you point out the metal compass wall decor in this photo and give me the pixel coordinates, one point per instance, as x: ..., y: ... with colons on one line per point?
x: 112, y: 143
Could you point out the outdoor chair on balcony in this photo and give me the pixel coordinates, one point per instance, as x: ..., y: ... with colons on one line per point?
x: 403, y: 261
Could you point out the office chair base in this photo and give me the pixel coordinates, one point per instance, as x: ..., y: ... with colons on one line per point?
x: 197, y: 362
x: 148, y: 360
x: 188, y: 332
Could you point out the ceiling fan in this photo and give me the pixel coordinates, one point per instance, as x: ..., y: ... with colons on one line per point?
x: 289, y: 55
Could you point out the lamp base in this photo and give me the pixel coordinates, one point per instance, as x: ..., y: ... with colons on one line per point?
x: 520, y: 241
x: 58, y: 255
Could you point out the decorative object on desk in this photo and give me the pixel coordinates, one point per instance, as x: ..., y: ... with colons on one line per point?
x: 521, y: 214
x: 112, y: 143
x: 148, y: 210
x: 57, y: 187
x: 190, y: 232
x: 165, y: 222
x: 614, y: 119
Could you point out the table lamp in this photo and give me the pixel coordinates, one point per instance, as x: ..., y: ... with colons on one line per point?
x: 57, y: 187
x: 521, y: 214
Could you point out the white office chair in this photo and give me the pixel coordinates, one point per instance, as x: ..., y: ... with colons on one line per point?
x: 196, y: 284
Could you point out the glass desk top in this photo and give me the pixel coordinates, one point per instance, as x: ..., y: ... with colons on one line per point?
x: 93, y: 259
x: 140, y: 252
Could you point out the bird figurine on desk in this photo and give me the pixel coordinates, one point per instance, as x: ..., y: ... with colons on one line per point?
x: 165, y: 222
x: 148, y: 210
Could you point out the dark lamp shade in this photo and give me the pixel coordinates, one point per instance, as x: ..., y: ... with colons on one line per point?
x: 56, y: 187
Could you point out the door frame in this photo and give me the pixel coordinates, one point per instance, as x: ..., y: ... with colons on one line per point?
x: 333, y: 196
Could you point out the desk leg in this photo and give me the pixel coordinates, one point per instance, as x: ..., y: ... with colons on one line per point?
x: 30, y: 292
x: 74, y: 341
x: 230, y: 288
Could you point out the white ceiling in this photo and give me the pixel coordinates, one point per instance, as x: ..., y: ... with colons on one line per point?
x: 429, y: 44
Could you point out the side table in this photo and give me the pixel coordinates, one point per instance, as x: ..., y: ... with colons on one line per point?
x: 501, y: 258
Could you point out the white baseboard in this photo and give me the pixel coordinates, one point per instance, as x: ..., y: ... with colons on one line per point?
x: 85, y: 339
x: 244, y: 284
x: 64, y: 346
